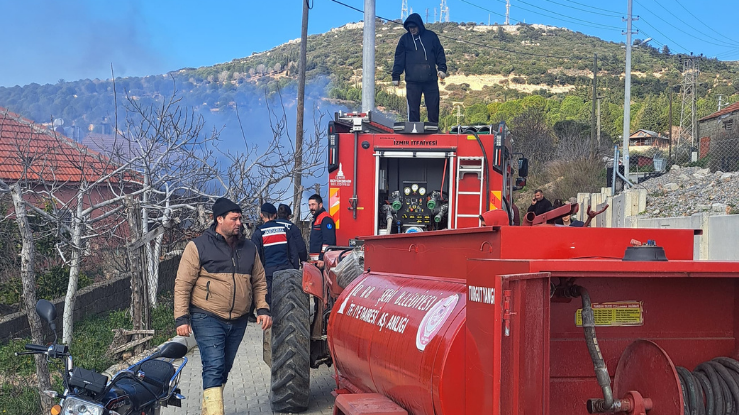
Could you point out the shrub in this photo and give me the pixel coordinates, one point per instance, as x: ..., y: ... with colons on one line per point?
x: 49, y: 285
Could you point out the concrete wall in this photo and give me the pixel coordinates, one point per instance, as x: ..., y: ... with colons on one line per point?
x: 722, y: 238
x: 686, y: 222
x: 100, y: 298
x: 717, y: 235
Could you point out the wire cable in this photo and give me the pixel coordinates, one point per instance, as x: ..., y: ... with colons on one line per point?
x: 467, y: 41
x: 695, y: 29
x: 563, y: 16
x: 596, y: 8
x: 609, y: 14
x: 698, y: 20
x: 641, y: 19
x: 675, y: 27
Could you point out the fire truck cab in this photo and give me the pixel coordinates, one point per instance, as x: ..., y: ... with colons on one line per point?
x: 409, y: 178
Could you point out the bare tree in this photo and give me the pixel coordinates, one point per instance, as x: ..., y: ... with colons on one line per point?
x: 256, y: 174
x: 28, y: 278
x: 167, y: 146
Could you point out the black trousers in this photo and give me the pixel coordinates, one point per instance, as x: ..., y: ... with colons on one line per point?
x: 430, y: 91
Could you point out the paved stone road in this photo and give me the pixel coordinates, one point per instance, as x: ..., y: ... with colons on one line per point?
x: 247, y: 390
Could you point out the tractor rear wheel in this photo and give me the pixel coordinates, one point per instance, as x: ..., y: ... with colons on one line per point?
x: 290, y: 385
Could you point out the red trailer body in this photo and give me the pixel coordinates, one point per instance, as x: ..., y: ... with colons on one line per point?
x: 473, y: 321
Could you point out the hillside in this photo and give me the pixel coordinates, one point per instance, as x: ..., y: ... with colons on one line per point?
x: 487, y: 64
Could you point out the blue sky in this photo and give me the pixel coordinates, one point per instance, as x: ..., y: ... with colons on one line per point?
x: 48, y: 40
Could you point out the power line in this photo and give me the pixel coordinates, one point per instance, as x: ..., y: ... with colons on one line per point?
x: 663, y: 35
x: 609, y: 14
x: 696, y: 30
x: 563, y: 17
x: 482, y: 8
x: 596, y: 8
x: 675, y: 27
x: 465, y: 41
x: 698, y: 20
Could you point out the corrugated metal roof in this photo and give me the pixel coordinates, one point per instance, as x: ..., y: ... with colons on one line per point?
x: 33, y: 152
x: 728, y: 110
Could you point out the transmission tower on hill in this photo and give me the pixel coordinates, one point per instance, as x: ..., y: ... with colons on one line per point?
x: 688, y: 125
x: 507, y: 12
x: 404, y: 11
x: 443, y: 12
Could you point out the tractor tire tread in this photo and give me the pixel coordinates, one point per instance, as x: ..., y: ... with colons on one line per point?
x: 290, y: 383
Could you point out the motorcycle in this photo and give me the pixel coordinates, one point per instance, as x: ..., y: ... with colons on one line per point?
x: 141, y: 389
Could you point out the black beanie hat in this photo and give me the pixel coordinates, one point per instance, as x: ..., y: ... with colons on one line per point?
x: 269, y: 209
x: 285, y: 209
x: 222, y: 206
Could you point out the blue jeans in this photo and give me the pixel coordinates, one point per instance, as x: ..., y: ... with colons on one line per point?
x: 218, y: 341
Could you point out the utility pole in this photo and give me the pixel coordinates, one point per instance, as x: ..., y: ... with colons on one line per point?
x: 593, y: 122
x: 507, y: 12
x: 427, y: 14
x: 598, y: 121
x: 687, y: 111
x: 298, y: 171
x: 368, y: 58
x: 434, y: 14
x: 669, y: 155
x: 719, y: 102
x: 627, y: 91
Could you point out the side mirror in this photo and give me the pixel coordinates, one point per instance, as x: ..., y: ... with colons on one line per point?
x: 520, y: 183
x: 523, y: 167
x: 46, y: 311
x: 172, y: 350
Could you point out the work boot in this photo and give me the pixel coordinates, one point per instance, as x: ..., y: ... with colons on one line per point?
x: 212, y: 401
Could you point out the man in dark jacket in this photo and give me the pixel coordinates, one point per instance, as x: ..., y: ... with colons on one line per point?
x: 322, y: 230
x: 284, y: 213
x: 420, y: 54
x: 275, y: 249
x: 539, y: 204
x: 220, y: 273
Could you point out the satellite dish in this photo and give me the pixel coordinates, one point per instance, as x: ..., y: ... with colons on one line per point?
x: 58, y: 122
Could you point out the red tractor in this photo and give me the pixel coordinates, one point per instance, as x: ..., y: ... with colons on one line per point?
x: 471, y: 319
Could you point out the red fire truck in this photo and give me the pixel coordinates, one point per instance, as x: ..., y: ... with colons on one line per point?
x: 411, y: 178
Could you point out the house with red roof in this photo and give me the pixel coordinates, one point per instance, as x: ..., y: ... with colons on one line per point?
x: 45, y: 160
x: 719, y: 138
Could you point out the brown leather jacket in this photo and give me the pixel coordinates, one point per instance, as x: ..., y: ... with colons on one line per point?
x: 218, y: 280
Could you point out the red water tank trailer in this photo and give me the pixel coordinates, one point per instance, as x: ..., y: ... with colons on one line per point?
x: 490, y: 321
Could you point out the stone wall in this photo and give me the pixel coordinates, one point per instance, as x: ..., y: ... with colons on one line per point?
x: 100, y: 298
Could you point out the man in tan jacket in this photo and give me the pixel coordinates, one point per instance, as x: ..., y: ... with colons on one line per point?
x: 220, y: 273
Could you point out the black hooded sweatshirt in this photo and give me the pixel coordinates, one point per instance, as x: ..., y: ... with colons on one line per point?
x: 419, y: 56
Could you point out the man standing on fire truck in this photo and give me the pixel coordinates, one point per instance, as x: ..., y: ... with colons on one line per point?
x: 420, y: 54
x: 322, y: 231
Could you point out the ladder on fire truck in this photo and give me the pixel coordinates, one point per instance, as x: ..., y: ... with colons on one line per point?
x: 467, y: 165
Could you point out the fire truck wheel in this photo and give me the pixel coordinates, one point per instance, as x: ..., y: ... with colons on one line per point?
x: 290, y: 385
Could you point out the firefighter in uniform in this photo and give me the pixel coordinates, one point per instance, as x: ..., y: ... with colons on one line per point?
x: 276, y: 250
x: 283, y: 216
x: 323, y: 229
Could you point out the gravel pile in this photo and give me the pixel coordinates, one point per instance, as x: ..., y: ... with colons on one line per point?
x: 684, y: 191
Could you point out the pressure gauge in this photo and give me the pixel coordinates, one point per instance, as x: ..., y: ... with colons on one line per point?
x: 414, y: 187
x: 422, y: 191
x: 407, y: 191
